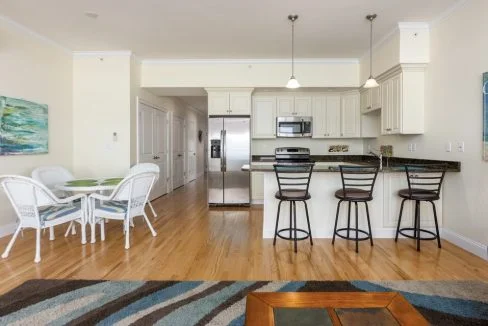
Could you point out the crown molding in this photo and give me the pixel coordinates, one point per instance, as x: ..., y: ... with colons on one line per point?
x: 102, y: 53
x: 36, y: 35
x: 448, y: 12
x: 251, y: 61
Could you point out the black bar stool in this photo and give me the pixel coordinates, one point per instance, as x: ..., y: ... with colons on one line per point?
x: 424, y: 184
x: 293, y: 183
x: 357, y: 187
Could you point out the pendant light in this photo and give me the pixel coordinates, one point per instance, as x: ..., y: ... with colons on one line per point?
x: 371, y: 82
x: 292, y: 83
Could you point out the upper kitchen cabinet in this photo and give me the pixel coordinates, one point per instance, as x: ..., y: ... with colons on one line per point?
x: 350, y: 115
x: 264, y: 117
x: 326, y: 113
x: 370, y: 99
x: 231, y: 101
x: 290, y: 106
x: 403, y: 100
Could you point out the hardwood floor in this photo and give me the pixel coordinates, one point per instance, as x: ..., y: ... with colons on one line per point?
x: 198, y: 243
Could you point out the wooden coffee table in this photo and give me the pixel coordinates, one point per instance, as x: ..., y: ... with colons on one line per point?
x: 330, y: 308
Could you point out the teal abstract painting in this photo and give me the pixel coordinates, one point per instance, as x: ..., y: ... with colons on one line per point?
x: 23, y: 127
x: 485, y: 116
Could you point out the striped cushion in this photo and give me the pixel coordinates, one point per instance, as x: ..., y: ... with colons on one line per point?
x: 52, y: 212
x: 112, y: 206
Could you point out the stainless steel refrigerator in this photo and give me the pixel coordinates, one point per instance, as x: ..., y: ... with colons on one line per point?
x: 229, y: 149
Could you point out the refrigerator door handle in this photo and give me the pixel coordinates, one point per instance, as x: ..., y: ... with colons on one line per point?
x: 224, y: 150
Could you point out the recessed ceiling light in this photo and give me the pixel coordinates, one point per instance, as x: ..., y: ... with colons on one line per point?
x: 92, y: 15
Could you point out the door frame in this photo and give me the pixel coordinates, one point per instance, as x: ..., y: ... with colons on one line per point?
x: 169, y: 157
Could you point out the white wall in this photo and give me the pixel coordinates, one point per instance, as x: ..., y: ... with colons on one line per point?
x: 101, y: 106
x: 458, y: 57
x: 259, y: 73
x: 35, y: 70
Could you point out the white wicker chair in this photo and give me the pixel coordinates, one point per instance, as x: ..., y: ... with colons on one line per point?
x: 126, y: 202
x: 37, y: 207
x: 146, y: 167
x: 50, y: 176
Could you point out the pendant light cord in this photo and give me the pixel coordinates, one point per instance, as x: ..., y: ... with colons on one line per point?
x: 293, y: 48
x: 371, y: 51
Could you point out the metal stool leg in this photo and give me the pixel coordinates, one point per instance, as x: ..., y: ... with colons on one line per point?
x: 436, y: 225
x: 357, y: 227
x: 295, y: 223
x: 399, y: 220
x: 417, y: 219
x: 348, y: 217
x: 369, y: 223
x: 308, y: 223
x: 277, y: 221
x: 337, y: 218
x: 291, y: 217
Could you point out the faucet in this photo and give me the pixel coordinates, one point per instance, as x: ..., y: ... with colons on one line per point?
x: 379, y: 157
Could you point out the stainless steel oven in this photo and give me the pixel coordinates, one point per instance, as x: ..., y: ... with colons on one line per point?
x: 294, y: 126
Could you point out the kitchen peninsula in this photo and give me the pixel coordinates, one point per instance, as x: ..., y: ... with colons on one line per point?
x: 326, y: 180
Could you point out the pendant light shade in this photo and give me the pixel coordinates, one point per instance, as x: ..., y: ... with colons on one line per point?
x: 292, y: 82
x: 371, y: 82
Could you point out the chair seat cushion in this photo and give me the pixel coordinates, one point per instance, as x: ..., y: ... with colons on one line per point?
x: 50, y: 213
x: 292, y: 194
x: 112, y: 206
x: 353, y: 194
x: 418, y: 194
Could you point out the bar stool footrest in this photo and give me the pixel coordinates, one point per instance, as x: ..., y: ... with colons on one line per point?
x: 293, y: 232
x: 402, y: 230
x: 368, y: 236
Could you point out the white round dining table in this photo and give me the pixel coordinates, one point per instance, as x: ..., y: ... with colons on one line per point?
x: 89, y: 185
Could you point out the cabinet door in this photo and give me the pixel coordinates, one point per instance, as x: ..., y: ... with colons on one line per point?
x: 333, y: 116
x: 257, y: 186
x: 319, y: 116
x: 239, y: 103
x: 286, y: 106
x: 264, y: 117
x: 365, y: 100
x: 375, y: 95
x: 385, y: 108
x: 396, y: 105
x: 303, y: 106
x: 218, y: 103
x: 350, y: 116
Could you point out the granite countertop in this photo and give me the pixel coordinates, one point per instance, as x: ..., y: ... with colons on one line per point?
x: 330, y: 163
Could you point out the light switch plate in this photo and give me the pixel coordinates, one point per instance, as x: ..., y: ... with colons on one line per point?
x: 448, y: 147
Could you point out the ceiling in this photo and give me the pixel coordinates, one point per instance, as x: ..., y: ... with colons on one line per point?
x: 230, y: 29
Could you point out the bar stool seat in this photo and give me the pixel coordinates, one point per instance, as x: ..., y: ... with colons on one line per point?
x: 353, y: 194
x: 418, y: 194
x: 293, y: 194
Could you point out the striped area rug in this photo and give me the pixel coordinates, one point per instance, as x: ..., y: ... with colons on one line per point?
x: 82, y: 302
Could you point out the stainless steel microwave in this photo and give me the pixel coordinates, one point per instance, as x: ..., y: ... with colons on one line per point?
x: 294, y: 127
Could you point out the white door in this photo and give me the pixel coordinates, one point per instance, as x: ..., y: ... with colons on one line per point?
x: 153, y: 136
x: 178, y: 152
x: 385, y: 107
x: 365, y: 101
x: 264, y: 117
x: 161, y: 153
x: 396, y: 105
x: 286, y: 106
x: 192, y: 150
x: 333, y: 118
x: 218, y: 103
x: 375, y: 97
x: 319, y: 115
x: 240, y: 103
x: 350, y: 116
x: 303, y: 106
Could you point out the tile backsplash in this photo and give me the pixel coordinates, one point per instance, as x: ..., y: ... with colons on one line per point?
x: 317, y: 146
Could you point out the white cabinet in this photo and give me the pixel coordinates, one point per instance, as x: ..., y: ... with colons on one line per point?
x: 402, y: 101
x: 264, y: 117
x: 365, y: 101
x: 229, y: 101
x: 303, y: 106
x: 326, y: 112
x: 350, y: 116
x: 370, y: 99
x: 375, y: 98
x: 257, y: 186
x: 300, y: 106
x: 286, y: 106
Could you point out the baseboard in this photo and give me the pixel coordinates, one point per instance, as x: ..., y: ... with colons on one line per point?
x: 257, y: 202
x: 7, y: 229
x: 467, y: 244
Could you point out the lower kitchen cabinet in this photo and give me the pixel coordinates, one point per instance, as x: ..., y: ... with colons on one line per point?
x: 257, y: 186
